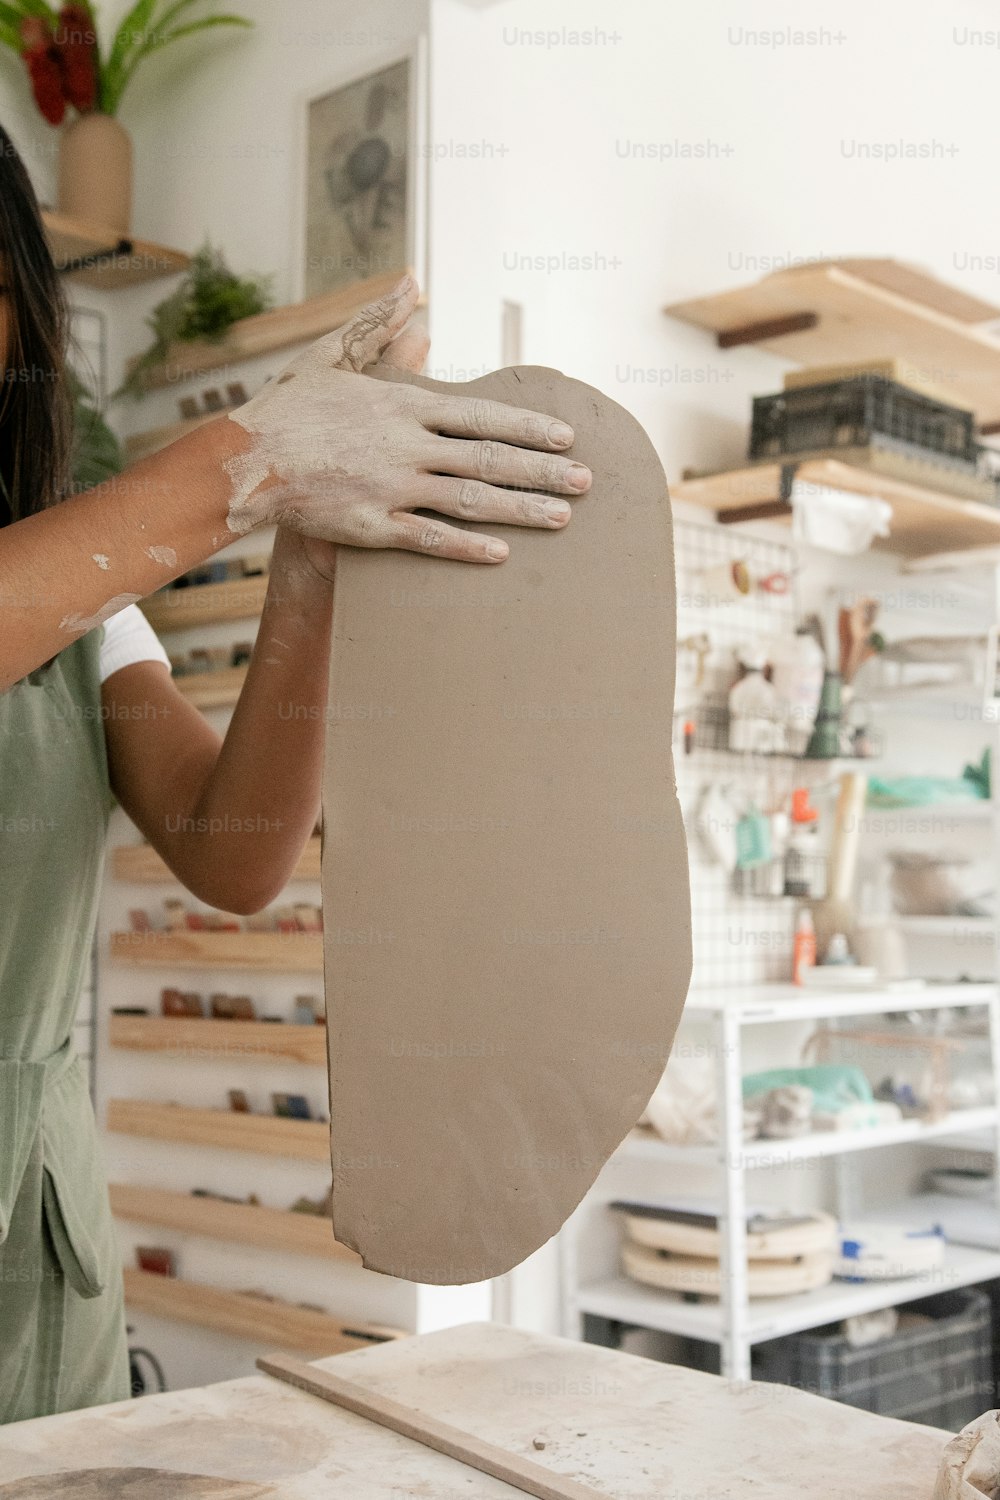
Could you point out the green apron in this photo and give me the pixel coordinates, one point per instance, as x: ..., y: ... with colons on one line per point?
x: 62, y: 1327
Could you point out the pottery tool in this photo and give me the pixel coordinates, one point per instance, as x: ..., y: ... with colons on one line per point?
x: 522, y: 1473
x: 836, y: 913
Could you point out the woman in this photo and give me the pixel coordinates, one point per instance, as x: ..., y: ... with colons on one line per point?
x: 88, y: 712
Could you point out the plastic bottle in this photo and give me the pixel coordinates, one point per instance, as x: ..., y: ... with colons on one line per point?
x: 797, y: 667
x: 804, y: 947
x: 753, y: 706
x: 803, y: 866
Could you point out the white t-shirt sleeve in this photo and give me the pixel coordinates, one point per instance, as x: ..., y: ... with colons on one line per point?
x: 128, y: 638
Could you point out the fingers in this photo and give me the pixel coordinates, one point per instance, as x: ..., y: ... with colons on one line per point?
x: 501, y: 464
x: 408, y: 350
x: 424, y: 534
x: 472, y: 501
x: 361, y: 341
x: 470, y: 416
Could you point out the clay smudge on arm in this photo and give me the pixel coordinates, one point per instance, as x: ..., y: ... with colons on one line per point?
x: 165, y: 555
x: 79, y: 625
x: 102, y: 560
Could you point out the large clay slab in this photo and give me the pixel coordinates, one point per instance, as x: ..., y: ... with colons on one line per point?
x: 504, y: 869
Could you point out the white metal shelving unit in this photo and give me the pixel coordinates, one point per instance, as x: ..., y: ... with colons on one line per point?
x: 599, y: 1309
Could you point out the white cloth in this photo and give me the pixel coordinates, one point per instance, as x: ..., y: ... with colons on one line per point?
x: 128, y: 638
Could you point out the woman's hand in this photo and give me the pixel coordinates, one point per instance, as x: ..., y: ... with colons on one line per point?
x: 338, y: 456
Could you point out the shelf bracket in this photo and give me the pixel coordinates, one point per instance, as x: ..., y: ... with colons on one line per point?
x: 95, y: 258
x: 763, y: 510
x: 770, y: 328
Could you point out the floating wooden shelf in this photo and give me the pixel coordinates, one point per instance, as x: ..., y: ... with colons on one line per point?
x: 269, y: 952
x: 265, y: 1321
x: 924, y: 521
x: 140, y: 864
x: 141, y: 444
x: 834, y: 312
x: 263, y: 1135
x: 191, y: 1037
x: 212, y: 689
x: 242, y: 1223
x: 102, y: 258
x: 294, y: 324
x: 205, y: 604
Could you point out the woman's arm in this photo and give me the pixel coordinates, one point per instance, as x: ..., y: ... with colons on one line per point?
x: 230, y: 818
x: 324, y: 449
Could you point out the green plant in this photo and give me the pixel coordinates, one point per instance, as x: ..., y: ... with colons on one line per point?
x: 62, y: 50
x: 208, y: 300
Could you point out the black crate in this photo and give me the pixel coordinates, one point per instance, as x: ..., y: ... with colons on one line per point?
x: 854, y: 413
x: 940, y: 1374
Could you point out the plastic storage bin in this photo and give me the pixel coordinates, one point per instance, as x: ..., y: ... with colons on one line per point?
x: 853, y: 413
x: 939, y: 1373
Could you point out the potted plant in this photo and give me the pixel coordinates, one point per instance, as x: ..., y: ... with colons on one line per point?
x: 70, y: 70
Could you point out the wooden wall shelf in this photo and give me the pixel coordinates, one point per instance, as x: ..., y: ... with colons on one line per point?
x: 205, y: 604
x: 212, y: 689
x: 241, y: 1223
x: 296, y: 323
x: 266, y: 1323
x: 924, y: 521
x: 140, y: 864
x: 860, y: 310
x: 268, y: 952
x: 246, y: 1040
x: 263, y: 1135
x: 132, y: 260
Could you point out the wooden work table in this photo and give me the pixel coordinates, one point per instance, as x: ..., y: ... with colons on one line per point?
x: 631, y: 1428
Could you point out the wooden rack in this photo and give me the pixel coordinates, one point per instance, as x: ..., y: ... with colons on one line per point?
x: 240, y: 1223
x: 212, y: 689
x: 268, y: 952
x: 193, y: 1038
x: 102, y: 258
x: 205, y: 604
x: 264, y: 1135
x: 265, y: 1321
x: 140, y: 864
x: 924, y: 521
x: 833, y: 312
x: 296, y: 323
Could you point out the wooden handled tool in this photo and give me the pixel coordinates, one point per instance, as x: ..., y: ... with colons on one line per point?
x: 514, y: 1470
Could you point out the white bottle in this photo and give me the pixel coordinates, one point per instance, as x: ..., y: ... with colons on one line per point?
x: 754, y: 725
x: 797, y: 667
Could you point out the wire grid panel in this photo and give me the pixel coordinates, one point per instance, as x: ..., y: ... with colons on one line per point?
x: 738, y: 939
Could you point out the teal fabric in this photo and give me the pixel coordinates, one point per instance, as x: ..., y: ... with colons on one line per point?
x: 62, y: 1327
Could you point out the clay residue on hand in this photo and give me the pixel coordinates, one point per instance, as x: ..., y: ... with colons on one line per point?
x: 79, y: 624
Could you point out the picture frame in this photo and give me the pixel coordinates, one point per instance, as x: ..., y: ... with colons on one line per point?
x: 362, y: 175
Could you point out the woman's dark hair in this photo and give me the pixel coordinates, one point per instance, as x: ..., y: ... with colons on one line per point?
x: 36, y: 423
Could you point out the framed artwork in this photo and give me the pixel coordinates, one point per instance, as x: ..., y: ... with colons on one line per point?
x: 363, y: 177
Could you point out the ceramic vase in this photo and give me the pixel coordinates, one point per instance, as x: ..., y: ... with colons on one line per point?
x: 95, y: 172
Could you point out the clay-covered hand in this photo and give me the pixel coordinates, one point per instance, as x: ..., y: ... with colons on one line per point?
x: 337, y: 455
